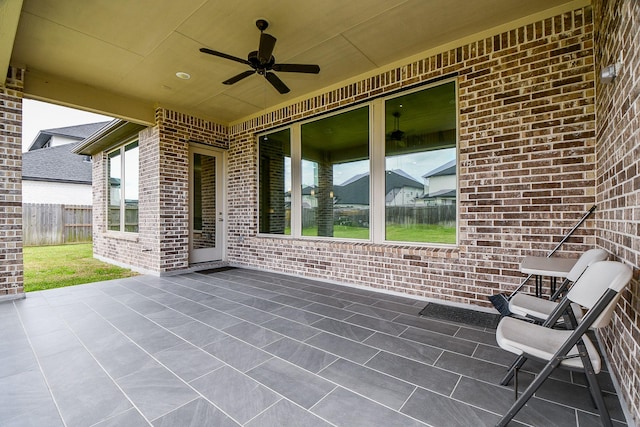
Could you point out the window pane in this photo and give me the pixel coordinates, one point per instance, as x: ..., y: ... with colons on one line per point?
x: 420, y: 164
x: 131, y: 179
x: 114, y: 191
x: 335, y: 176
x: 275, y: 183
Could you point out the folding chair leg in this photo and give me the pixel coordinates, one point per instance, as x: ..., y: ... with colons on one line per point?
x: 594, y: 386
x: 528, y: 393
x: 517, y: 364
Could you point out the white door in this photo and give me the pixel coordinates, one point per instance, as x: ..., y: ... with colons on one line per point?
x: 206, y: 205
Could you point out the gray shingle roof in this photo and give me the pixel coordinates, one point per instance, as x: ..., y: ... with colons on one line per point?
x: 56, y: 164
x: 78, y: 132
x: 356, y: 191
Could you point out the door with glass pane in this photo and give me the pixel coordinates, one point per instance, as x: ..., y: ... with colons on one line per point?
x: 206, y: 209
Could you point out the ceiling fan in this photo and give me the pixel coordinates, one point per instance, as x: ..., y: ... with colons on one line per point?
x: 263, y: 62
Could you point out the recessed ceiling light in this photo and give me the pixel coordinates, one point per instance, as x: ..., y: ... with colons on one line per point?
x: 182, y: 75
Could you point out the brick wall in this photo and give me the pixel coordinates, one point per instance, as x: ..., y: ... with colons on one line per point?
x: 162, y: 243
x: 11, y: 268
x: 618, y: 179
x: 526, y: 155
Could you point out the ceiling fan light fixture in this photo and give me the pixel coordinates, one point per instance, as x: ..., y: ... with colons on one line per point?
x: 183, y: 76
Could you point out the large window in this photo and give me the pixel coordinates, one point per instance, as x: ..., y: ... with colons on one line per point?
x: 335, y: 176
x: 384, y: 171
x: 122, y: 188
x: 275, y: 183
x: 420, y: 166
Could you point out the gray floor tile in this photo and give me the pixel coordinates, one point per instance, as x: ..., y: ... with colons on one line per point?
x: 350, y: 350
x: 236, y: 394
x: 410, y: 349
x: 471, y: 367
x: 188, y: 307
x: 328, y: 311
x: 286, y: 414
x: 438, y: 410
x: 251, y: 314
x: 290, y: 301
x: 129, y: 418
x: 118, y: 355
x: 169, y: 318
x: 592, y: 420
x: 252, y: 334
x: 338, y: 408
x: 487, y: 338
x: 397, y: 307
x: 218, y: 303
x: 439, y: 340
x: 188, y: 362
x: 375, y: 385
x: 236, y: 353
x: 303, y: 355
x: 350, y: 295
x: 216, y: 319
x: 428, y: 324
x: 578, y: 397
x: 377, y: 312
x: 155, y: 391
x: 494, y: 354
x: 26, y: 401
x: 343, y: 329
x: 425, y: 376
x: 198, y: 333
x: 197, y: 413
x: 376, y: 324
x: 260, y: 304
x: 290, y: 328
x: 297, y: 315
x: 499, y: 399
x: 298, y: 385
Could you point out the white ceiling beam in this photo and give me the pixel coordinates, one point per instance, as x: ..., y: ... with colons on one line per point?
x: 56, y: 90
x: 9, y: 18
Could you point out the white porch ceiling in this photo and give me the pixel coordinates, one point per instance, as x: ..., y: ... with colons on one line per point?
x: 120, y: 57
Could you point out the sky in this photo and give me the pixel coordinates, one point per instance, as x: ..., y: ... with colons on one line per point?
x: 38, y: 115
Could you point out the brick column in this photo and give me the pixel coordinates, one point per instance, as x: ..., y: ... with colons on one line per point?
x: 11, y: 265
x: 325, y: 201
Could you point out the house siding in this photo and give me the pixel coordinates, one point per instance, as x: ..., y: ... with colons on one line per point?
x: 618, y: 180
x: 63, y: 193
x: 11, y: 266
x: 526, y: 167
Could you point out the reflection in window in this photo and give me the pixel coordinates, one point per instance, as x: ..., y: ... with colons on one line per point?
x: 420, y: 166
x: 122, y: 191
x: 275, y: 183
x: 335, y: 176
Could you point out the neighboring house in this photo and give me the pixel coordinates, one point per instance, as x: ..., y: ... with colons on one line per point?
x: 52, y: 172
x: 440, y: 185
x: 400, y: 190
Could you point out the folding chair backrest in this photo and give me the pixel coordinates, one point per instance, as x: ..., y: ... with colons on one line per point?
x: 585, y: 260
x: 594, y: 283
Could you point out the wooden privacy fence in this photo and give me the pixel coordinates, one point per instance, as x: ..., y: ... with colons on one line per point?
x: 45, y: 224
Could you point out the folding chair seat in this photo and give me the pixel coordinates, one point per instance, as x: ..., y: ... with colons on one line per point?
x: 539, y: 309
x: 597, y: 290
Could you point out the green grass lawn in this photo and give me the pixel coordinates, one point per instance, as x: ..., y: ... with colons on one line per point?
x: 47, y: 267
x: 422, y: 233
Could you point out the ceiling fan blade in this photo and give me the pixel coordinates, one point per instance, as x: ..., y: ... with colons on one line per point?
x: 224, y: 55
x: 239, y: 77
x: 267, y: 43
x: 277, y: 83
x: 297, y: 68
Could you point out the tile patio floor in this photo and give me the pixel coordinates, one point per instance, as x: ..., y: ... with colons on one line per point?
x: 248, y: 348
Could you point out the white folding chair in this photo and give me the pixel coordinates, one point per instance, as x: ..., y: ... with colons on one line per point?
x: 539, y: 309
x: 597, y: 290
